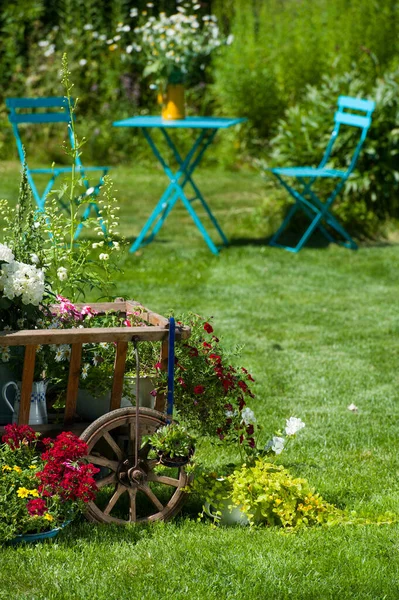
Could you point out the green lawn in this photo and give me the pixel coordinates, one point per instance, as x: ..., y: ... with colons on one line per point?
x: 320, y: 331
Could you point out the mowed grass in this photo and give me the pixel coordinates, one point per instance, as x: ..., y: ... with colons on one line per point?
x: 319, y: 331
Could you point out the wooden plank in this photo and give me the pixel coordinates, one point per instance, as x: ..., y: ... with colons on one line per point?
x: 147, y: 315
x: 160, y: 400
x: 73, y: 383
x: 119, y: 373
x: 27, y: 384
x: 89, y: 335
x: 100, y: 307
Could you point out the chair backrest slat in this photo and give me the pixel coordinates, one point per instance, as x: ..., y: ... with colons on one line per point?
x: 40, y: 118
x: 353, y: 120
x: 49, y: 102
x: 356, y: 103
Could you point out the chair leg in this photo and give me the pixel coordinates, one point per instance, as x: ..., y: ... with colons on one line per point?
x: 273, y: 241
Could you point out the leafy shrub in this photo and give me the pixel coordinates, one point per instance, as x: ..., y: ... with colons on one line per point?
x: 371, y: 194
x: 267, y: 494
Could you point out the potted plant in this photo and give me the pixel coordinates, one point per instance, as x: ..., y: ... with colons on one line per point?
x: 171, y: 47
x: 262, y: 493
x: 44, y: 483
x: 252, y: 492
x: 173, y: 444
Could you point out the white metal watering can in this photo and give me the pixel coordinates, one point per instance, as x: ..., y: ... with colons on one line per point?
x: 38, y: 408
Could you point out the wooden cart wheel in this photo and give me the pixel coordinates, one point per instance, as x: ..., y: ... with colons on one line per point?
x: 130, y: 492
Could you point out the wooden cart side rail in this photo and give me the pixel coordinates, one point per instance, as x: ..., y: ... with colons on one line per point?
x: 86, y: 336
x: 146, y: 314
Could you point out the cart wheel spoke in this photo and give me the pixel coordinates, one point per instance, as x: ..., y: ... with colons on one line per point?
x: 163, y: 479
x: 132, y: 507
x: 111, y: 442
x: 130, y: 490
x: 150, y: 494
x: 114, y: 499
x: 103, y: 462
x: 106, y: 480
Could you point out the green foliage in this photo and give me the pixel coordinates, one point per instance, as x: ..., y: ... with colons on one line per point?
x: 172, y: 440
x: 267, y: 494
x: 371, y: 193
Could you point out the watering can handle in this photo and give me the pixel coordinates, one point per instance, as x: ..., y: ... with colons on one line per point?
x: 4, y: 391
x: 207, y: 511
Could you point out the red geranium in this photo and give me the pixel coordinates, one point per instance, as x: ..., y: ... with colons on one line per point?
x: 36, y: 506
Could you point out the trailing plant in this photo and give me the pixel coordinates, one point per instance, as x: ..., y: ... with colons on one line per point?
x: 267, y: 494
x: 210, y: 394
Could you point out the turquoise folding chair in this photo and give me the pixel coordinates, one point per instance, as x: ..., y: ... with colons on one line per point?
x: 63, y: 115
x: 317, y: 211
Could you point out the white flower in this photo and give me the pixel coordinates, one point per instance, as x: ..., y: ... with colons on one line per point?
x: 96, y: 359
x: 116, y: 245
x: 104, y: 344
x: 62, y: 273
x: 83, y: 62
x: 5, y: 253
x: 248, y: 416
x: 22, y: 280
x: 134, y: 12
x: 229, y: 414
x: 88, y: 27
x: 352, y: 407
x: 292, y: 425
x: 89, y: 190
x: 35, y: 259
x: 129, y: 49
x: 85, y: 370
x: 43, y: 43
x: 230, y: 39
x: 276, y: 444
x: 104, y: 256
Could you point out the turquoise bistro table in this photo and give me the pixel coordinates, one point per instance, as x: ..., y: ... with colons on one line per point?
x: 207, y: 128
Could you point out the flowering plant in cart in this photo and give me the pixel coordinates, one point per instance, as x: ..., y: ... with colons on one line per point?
x: 211, y: 394
x: 44, y: 483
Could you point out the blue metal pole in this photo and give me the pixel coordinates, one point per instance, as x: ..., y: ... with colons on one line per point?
x: 171, y: 366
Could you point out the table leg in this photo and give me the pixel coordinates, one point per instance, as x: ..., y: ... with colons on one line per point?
x: 175, y: 190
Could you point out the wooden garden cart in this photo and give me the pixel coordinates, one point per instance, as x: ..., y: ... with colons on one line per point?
x: 132, y: 486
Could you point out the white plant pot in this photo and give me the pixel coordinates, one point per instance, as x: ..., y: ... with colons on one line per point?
x: 90, y: 407
x: 5, y: 412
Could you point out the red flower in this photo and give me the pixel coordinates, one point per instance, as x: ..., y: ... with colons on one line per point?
x: 250, y: 430
x: 17, y: 434
x: 182, y: 382
x: 192, y: 351
x: 241, y: 403
x: 208, y: 327
x: 243, y: 385
x: 199, y: 389
x: 207, y: 345
x: 36, y: 506
x: 158, y: 366
x: 215, y: 357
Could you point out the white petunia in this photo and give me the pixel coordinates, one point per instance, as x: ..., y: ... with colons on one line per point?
x: 248, y: 416
x: 22, y: 280
x: 293, y: 425
x: 276, y: 444
x: 5, y: 253
x: 62, y: 273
